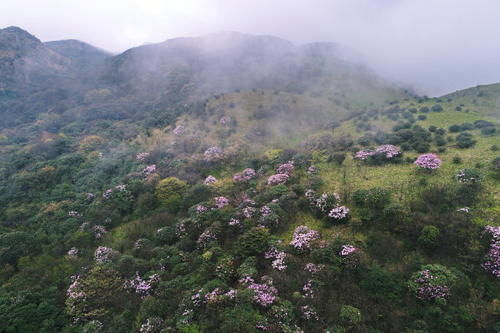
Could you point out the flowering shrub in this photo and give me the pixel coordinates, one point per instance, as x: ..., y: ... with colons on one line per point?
x: 264, y: 294
x: 213, y: 153
x: 142, y: 156
x: 152, y: 325
x: 74, y: 290
x: 381, y: 153
x: 234, y: 222
x: 179, y: 130
x: 244, y: 176
x: 364, y: 154
x: 221, y: 202
x: 73, y: 252
x: 278, y: 257
x: 248, y: 212
x: 432, y: 282
x: 303, y: 237
x: 99, y: 231
x: 468, y: 176
x: 339, y: 213
x: 286, y: 168
x: 428, y: 161
x: 141, y: 286
x: 103, y: 254
x: 491, y: 261
x: 74, y: 213
x: 308, y: 289
x: 210, y: 180
x: 279, y: 178
x: 149, y: 170
x: 200, y: 209
x: 309, y: 312
x: 313, y: 268
x: 347, y: 250
x: 205, y: 238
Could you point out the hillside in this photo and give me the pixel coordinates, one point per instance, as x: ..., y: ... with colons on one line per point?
x: 239, y: 183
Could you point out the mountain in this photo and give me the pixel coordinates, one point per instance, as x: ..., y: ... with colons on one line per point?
x: 83, y: 56
x: 26, y: 61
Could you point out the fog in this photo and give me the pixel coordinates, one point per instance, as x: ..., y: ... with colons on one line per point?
x: 436, y: 46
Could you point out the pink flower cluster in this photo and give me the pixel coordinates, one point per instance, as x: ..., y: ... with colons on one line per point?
x: 313, y: 268
x: 73, y: 252
x: 428, y: 291
x: 218, y: 295
x: 234, y: 222
x: 347, y: 250
x: 248, y: 212
x: 339, y: 213
x: 221, y: 202
x: 149, y: 170
x: 265, y: 293
x: 152, y: 325
x: 388, y: 151
x: 213, y: 153
x: 99, y: 231
x: 492, y: 259
x: 244, y: 176
x: 308, y: 289
x: 286, y: 168
x: 74, y: 290
x: 278, y: 257
x: 276, y: 179
x: 179, y: 130
x: 224, y: 120
x: 200, y: 209
x: 74, y: 213
x: 103, y: 254
x: 303, y: 237
x: 428, y: 161
x: 209, y: 180
x: 141, y: 286
x: 364, y: 154
x: 142, y: 156
x: 205, y: 238
x: 309, y: 312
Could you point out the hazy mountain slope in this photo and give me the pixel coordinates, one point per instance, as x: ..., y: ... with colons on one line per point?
x: 83, y: 56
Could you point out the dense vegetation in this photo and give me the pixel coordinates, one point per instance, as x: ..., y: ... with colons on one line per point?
x: 310, y: 203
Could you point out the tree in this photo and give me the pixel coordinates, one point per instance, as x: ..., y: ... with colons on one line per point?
x: 169, y: 192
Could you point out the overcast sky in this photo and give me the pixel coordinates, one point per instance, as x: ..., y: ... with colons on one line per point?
x: 436, y: 45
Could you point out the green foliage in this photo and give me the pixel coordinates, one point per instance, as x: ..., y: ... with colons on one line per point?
x: 169, y: 191
x: 350, y: 314
x: 429, y: 237
x: 253, y: 242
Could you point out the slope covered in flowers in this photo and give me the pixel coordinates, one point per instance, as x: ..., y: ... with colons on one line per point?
x: 298, y: 221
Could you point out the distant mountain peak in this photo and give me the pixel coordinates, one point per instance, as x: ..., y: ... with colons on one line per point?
x: 19, y: 32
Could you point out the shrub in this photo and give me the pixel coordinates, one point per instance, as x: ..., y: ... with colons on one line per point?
x: 457, y: 160
x: 169, y: 191
x: 432, y: 282
x: 465, y: 140
x: 253, y: 242
x: 350, y: 314
x: 437, y: 108
x: 429, y: 237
